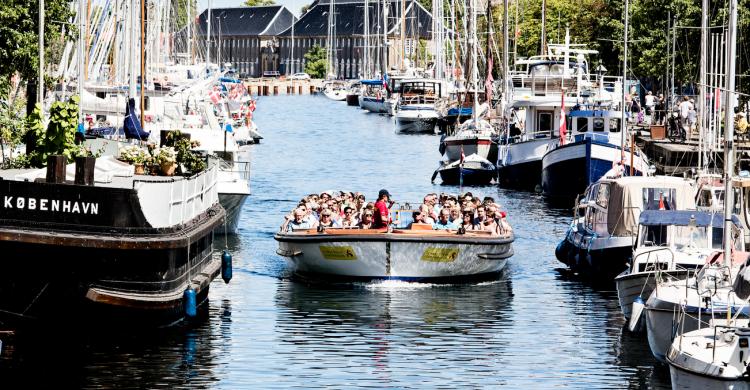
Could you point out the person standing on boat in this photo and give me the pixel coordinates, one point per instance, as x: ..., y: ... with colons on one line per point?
x: 650, y: 105
x: 660, y: 109
x: 382, y: 216
x: 684, y: 109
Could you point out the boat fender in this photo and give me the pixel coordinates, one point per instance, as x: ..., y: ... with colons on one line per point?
x: 635, y: 314
x: 561, y: 251
x: 461, y: 230
x: 189, y: 300
x: 226, y: 266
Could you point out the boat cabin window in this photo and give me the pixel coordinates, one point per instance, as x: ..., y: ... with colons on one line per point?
x: 705, y: 200
x: 656, y: 235
x: 547, y: 70
x: 545, y: 121
x: 614, y: 125
x: 582, y: 124
x: 598, y: 124
x: 659, y: 198
x: 693, y: 237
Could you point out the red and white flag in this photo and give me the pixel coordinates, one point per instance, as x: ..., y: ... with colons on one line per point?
x: 563, y: 125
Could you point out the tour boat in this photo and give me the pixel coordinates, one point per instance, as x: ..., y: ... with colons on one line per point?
x: 601, y: 236
x: 415, y: 112
x: 416, y: 254
x: 104, y: 245
x: 671, y: 245
x: 473, y: 170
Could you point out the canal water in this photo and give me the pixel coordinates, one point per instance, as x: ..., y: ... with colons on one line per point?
x: 536, y: 327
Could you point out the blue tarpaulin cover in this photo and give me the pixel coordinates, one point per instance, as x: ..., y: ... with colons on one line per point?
x: 133, y: 129
x: 682, y: 218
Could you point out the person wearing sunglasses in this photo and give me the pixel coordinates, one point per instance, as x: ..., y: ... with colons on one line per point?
x: 349, y: 220
x: 367, y: 221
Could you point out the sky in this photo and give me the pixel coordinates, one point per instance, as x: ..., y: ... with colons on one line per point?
x: 293, y: 5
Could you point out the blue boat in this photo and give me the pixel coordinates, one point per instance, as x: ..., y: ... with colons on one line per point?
x: 591, y: 150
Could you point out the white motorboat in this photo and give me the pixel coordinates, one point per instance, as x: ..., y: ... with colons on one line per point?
x: 335, y: 90
x: 374, y: 97
x: 600, y: 239
x: 712, y: 357
x: 415, y: 112
x: 671, y: 245
x: 472, y: 137
x: 403, y: 254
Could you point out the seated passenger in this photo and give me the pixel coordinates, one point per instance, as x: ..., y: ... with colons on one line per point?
x: 427, y: 212
x: 455, y: 215
x: 327, y: 221
x: 349, y: 220
x: 366, y: 222
x: 468, y: 221
x: 481, y: 216
x: 444, y: 222
x: 419, y: 217
x: 297, y: 221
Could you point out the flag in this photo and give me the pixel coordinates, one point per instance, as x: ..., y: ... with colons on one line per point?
x: 661, y: 202
x: 563, y: 125
x: 488, y: 80
x: 385, y: 82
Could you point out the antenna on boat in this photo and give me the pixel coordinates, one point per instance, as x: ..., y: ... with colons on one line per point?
x: 729, y: 132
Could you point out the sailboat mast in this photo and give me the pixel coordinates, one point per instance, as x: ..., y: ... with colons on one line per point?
x: 143, y: 59
x: 543, y: 34
x: 208, y: 35
x: 403, y: 34
x: 385, y: 37
x: 624, y: 113
x: 189, y: 23
x: 81, y: 37
x: 474, y: 71
x: 506, y: 46
x: 702, y: 85
x: 729, y: 131
x: 366, y: 33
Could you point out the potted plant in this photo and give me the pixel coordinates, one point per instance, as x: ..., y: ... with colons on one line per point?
x: 166, y: 158
x: 135, y: 155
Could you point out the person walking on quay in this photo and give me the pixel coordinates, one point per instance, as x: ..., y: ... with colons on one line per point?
x: 650, y: 105
x: 660, y: 108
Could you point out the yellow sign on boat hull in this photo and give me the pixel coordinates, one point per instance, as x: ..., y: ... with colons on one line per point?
x: 338, y: 252
x: 440, y: 255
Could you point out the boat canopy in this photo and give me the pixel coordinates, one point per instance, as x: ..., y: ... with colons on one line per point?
x: 625, y: 197
x: 372, y: 82
x: 684, y: 218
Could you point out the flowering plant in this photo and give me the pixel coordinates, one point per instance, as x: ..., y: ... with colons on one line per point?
x: 165, y: 155
x: 133, y: 154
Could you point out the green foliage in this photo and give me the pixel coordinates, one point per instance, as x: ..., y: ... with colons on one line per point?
x: 187, y: 159
x: 315, y: 62
x: 181, y: 17
x: 58, y: 138
x: 19, y: 27
x: 255, y: 3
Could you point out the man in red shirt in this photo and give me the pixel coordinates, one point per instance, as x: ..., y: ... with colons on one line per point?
x: 382, y: 214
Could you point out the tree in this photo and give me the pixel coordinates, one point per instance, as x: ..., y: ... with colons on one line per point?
x: 19, y: 43
x: 315, y: 62
x: 256, y: 3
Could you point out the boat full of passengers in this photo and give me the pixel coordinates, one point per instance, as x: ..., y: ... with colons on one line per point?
x: 456, y: 239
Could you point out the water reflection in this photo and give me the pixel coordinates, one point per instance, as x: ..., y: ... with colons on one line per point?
x: 382, y: 328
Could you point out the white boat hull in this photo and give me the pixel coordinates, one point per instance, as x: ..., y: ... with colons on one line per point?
x: 232, y: 204
x: 683, y: 379
x: 386, y: 257
x: 374, y: 105
x: 480, y: 145
x: 416, y: 121
x: 336, y: 94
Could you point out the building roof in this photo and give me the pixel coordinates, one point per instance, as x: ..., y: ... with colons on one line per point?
x: 247, y: 21
x: 350, y: 19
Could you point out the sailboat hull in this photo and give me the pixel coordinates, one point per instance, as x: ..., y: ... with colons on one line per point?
x: 452, y: 176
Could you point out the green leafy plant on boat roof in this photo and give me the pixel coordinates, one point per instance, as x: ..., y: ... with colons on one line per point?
x: 189, y: 161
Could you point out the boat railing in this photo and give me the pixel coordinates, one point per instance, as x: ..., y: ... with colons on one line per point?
x: 242, y: 168
x: 418, y: 99
x: 546, y: 134
x: 541, y: 85
x: 186, y: 197
x: 653, y: 261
